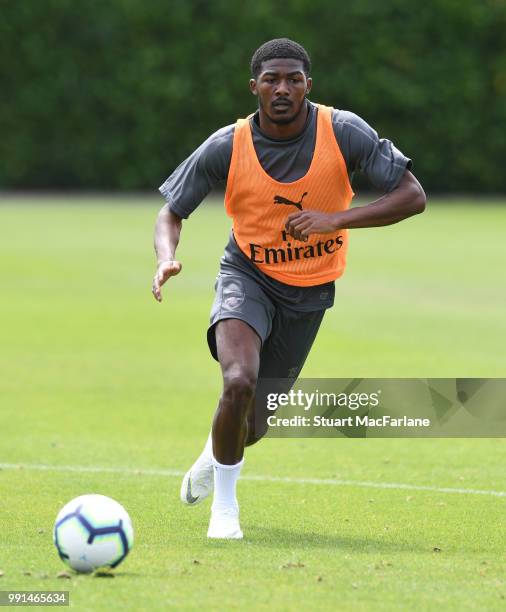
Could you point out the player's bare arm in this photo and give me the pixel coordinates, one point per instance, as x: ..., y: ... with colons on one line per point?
x: 406, y: 200
x: 167, y: 232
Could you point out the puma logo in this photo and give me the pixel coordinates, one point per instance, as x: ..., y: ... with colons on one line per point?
x: 281, y: 200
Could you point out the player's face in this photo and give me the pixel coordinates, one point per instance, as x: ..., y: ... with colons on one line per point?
x: 281, y: 88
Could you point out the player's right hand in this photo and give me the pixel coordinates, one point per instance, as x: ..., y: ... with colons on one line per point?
x: 164, y: 271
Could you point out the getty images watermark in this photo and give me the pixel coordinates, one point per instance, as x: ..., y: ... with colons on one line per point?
x: 436, y: 407
x: 319, y: 399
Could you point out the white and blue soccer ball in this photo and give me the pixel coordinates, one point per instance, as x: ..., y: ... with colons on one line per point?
x: 92, y: 532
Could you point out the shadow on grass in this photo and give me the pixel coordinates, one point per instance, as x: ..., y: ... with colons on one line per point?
x: 113, y: 574
x: 275, y: 537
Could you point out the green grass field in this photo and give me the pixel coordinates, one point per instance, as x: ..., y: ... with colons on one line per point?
x: 104, y: 390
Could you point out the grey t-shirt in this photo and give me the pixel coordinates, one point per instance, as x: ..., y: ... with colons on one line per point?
x: 286, y: 161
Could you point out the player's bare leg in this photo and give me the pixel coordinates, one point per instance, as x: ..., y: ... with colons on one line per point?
x: 282, y: 357
x: 238, y: 349
x: 239, y: 356
x: 198, y: 482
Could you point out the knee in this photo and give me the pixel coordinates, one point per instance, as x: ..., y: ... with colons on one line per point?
x: 239, y: 386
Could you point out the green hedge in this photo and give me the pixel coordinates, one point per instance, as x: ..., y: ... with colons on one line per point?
x: 113, y: 94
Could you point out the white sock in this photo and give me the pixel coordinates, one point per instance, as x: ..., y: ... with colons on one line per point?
x: 225, y: 484
x: 208, y: 448
x: 207, y: 453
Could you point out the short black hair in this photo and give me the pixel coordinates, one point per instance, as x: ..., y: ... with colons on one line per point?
x: 279, y: 48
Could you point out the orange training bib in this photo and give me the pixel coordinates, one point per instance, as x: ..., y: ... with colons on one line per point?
x: 259, y: 206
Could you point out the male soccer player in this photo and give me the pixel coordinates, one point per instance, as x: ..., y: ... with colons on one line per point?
x: 287, y: 171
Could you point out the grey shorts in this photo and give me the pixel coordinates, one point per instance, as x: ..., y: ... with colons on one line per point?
x: 286, y: 334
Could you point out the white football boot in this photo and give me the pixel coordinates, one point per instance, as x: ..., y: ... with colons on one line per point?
x: 224, y: 524
x: 198, y: 482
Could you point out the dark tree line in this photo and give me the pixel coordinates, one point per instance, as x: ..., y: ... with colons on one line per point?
x: 103, y: 95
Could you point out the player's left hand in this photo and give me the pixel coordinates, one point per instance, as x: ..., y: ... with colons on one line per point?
x: 301, y: 224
